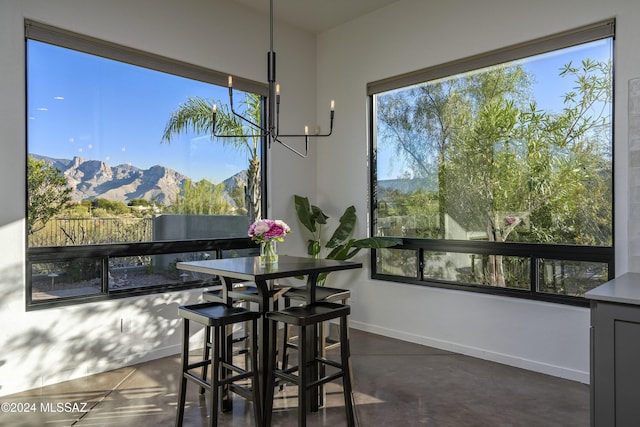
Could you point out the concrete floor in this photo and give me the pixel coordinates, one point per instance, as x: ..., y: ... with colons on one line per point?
x: 396, y: 384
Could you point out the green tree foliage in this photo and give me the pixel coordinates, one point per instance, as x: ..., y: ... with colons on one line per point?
x: 196, y: 115
x: 78, y: 210
x: 104, y: 207
x: 238, y: 197
x: 203, y: 198
x: 47, y: 193
x: 504, y: 166
x: 139, y: 202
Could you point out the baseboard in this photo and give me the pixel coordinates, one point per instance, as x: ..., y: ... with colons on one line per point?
x: 505, y: 359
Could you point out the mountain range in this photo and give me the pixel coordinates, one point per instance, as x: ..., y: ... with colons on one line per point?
x: 92, y: 179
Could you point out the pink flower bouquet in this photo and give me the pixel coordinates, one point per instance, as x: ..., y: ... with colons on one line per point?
x: 266, y: 230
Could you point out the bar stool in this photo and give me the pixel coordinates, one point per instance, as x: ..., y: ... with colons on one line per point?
x: 217, y: 296
x: 247, y: 292
x: 323, y: 293
x: 216, y: 317
x: 242, y: 294
x: 303, y: 317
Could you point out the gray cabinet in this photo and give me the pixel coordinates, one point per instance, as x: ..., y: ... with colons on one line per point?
x: 615, y: 352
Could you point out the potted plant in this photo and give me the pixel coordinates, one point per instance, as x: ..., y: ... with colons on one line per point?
x: 342, y: 245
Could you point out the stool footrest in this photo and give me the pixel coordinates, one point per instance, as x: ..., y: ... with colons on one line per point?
x: 199, y: 364
x: 287, y: 374
x: 234, y: 368
x: 325, y: 379
x: 329, y: 362
x: 229, y: 380
x: 198, y: 380
x: 294, y: 379
x: 244, y: 392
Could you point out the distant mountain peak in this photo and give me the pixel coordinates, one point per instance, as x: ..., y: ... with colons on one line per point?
x: 92, y: 179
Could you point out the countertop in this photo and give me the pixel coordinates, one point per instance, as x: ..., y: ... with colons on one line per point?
x: 624, y: 290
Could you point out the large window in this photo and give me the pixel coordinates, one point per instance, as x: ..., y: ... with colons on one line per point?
x: 124, y: 176
x: 497, y: 170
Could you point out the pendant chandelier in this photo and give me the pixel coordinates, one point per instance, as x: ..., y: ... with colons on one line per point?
x: 271, y: 127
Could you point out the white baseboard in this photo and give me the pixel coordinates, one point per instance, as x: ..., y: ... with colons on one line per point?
x: 505, y: 359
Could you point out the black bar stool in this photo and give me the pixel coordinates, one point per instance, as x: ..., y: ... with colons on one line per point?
x: 323, y: 293
x: 306, y: 379
x: 243, y: 293
x: 216, y: 317
x: 217, y: 296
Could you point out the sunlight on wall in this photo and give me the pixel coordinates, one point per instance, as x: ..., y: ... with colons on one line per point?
x: 43, y: 347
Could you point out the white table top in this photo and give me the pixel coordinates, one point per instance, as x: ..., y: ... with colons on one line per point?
x: 624, y: 289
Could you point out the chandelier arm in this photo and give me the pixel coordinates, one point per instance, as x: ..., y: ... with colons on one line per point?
x: 240, y: 116
x: 306, y: 147
x: 240, y: 136
x: 251, y: 123
x: 261, y: 134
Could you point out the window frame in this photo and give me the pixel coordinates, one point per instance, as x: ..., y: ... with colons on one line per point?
x: 601, y: 254
x: 100, y: 253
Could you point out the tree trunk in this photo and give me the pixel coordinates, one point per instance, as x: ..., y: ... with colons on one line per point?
x: 252, y: 197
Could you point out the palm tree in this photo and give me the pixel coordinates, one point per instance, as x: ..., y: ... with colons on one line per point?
x: 196, y: 115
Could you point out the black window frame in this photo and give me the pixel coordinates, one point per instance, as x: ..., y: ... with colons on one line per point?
x: 534, y: 252
x: 101, y: 253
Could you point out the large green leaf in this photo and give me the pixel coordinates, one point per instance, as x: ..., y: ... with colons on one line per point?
x: 345, y: 229
x: 376, y: 242
x: 305, y: 215
x: 344, y: 251
x: 352, y: 247
x: 318, y: 216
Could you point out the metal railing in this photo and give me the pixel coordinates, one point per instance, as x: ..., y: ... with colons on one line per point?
x: 59, y: 266
x: 87, y: 231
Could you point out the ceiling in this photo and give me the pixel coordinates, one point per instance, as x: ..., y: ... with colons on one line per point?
x: 316, y: 15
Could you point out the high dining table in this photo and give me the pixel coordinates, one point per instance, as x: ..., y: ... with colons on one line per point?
x: 231, y: 270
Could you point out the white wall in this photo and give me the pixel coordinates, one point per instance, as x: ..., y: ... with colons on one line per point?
x: 413, y: 34
x: 47, y: 346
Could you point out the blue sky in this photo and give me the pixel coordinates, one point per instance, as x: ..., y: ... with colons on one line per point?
x: 548, y: 90
x: 99, y: 109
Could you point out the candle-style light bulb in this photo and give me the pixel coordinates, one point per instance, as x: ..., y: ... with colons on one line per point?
x: 230, y: 83
x: 215, y: 108
x: 306, y: 130
x: 277, y: 88
x: 333, y: 105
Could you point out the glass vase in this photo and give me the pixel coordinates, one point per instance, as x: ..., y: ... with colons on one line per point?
x: 268, y: 253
